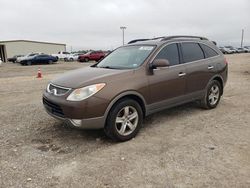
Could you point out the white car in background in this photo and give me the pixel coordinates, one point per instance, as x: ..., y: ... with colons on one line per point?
x: 73, y: 57
x: 1, y: 62
x: 61, y: 55
x: 27, y: 57
x: 247, y: 48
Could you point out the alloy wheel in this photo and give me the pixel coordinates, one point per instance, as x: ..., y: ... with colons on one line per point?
x: 214, y: 95
x: 126, y: 120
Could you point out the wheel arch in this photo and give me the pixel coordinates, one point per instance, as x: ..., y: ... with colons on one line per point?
x: 220, y: 80
x: 131, y: 95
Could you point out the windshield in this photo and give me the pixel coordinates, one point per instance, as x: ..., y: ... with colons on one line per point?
x: 88, y: 53
x: 128, y: 57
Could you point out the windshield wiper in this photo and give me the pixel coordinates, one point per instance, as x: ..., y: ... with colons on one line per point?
x: 107, y: 67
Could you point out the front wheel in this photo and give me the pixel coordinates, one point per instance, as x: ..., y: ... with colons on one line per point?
x: 213, y: 95
x: 124, y: 120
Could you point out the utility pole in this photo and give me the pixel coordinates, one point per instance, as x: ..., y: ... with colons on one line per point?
x: 123, y: 29
x: 242, y: 38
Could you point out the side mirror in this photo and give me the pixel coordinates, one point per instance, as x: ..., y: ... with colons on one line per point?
x: 159, y: 63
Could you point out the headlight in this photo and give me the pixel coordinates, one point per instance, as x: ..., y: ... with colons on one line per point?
x: 85, y: 92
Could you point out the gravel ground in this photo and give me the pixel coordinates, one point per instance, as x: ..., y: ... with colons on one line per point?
x: 180, y: 147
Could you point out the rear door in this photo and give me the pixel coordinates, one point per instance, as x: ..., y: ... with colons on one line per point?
x: 200, y: 68
x: 168, y: 85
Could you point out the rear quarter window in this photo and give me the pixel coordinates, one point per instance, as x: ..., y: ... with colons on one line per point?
x: 191, y: 52
x: 209, y: 52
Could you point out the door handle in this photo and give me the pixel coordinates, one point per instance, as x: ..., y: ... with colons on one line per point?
x: 210, y: 67
x: 181, y: 74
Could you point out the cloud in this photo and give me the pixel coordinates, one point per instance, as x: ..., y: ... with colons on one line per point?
x: 96, y: 24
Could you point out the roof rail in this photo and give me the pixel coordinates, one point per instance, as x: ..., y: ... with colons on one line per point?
x: 184, y: 36
x: 137, y: 40
x: 168, y: 38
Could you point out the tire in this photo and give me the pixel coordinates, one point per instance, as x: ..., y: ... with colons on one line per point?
x: 71, y: 59
x: 118, y: 125
x: 50, y: 62
x: 213, y: 95
x: 65, y: 59
x: 28, y: 63
x: 86, y: 59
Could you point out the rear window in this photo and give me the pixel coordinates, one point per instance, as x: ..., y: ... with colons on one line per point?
x: 209, y: 52
x: 191, y: 52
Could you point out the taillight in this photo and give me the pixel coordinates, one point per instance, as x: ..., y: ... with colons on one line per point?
x: 225, y: 61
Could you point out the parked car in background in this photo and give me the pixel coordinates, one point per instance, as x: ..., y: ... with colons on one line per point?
x: 14, y: 58
x: 247, y: 48
x: 137, y: 80
x: 26, y: 57
x: 1, y: 61
x: 230, y: 49
x: 240, y: 50
x: 61, y: 55
x: 94, y: 55
x: 39, y: 59
x: 222, y: 50
x: 73, y: 57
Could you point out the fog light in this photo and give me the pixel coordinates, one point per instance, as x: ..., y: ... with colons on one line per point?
x: 77, y: 122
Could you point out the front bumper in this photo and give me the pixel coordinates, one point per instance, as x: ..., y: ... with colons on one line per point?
x: 87, y: 114
x: 91, y: 123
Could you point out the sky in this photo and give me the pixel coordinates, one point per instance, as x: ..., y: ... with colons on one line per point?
x: 95, y: 24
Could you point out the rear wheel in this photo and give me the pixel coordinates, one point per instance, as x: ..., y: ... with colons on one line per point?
x: 124, y: 120
x: 213, y: 95
x: 86, y: 59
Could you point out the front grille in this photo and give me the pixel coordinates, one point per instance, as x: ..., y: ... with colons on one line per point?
x: 53, y: 108
x: 57, y: 90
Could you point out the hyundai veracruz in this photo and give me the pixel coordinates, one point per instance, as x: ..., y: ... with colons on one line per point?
x: 136, y: 80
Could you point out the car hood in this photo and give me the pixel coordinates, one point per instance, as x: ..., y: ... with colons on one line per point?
x: 86, y: 76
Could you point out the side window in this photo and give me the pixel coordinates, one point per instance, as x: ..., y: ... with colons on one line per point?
x: 169, y: 52
x: 209, y: 52
x: 191, y: 52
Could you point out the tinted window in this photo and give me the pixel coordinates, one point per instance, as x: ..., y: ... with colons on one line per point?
x: 209, y: 52
x: 191, y: 52
x: 32, y: 54
x: 170, y: 52
x: 43, y: 55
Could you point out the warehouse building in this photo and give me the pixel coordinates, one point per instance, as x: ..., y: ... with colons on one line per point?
x: 22, y: 47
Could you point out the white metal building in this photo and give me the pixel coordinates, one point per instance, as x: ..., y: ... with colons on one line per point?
x: 22, y: 47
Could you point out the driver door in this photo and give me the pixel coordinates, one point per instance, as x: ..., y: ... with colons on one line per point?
x: 168, y: 85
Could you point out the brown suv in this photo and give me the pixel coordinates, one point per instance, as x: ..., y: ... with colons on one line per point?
x: 136, y: 80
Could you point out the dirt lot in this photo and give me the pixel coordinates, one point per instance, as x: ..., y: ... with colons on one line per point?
x: 181, y: 147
